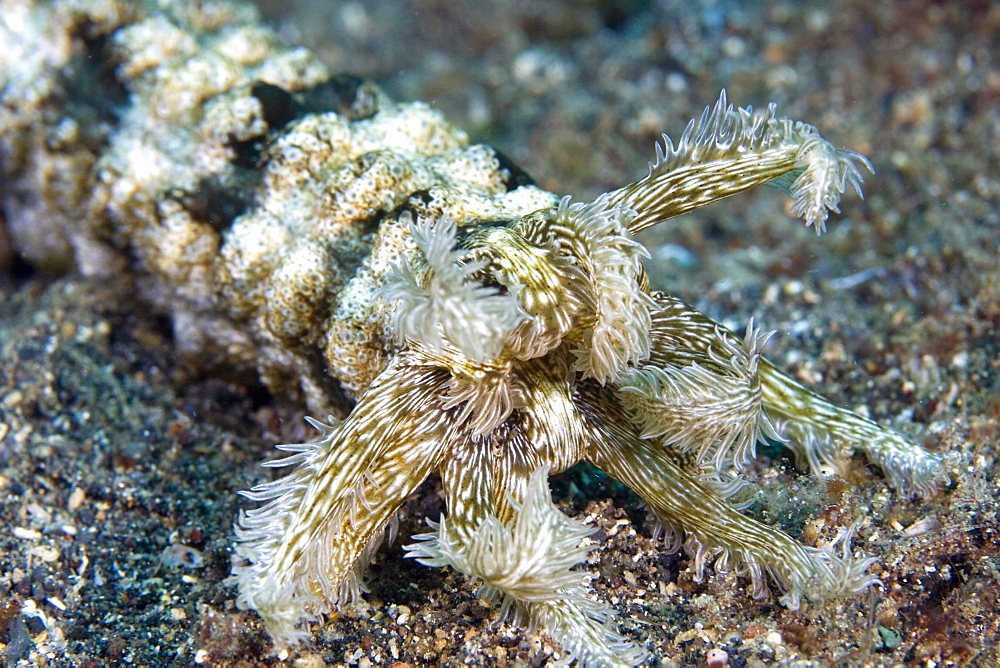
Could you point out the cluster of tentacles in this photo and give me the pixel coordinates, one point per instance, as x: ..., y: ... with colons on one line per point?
x: 523, y: 348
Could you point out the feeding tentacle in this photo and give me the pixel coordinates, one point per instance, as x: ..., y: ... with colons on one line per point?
x: 301, y: 552
x: 526, y: 565
x: 817, y: 431
x: 729, y: 150
x: 713, y: 528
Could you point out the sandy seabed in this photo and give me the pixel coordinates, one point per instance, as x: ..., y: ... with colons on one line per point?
x: 119, y: 465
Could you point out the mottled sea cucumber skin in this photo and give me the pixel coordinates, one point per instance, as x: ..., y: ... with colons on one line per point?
x: 258, y: 192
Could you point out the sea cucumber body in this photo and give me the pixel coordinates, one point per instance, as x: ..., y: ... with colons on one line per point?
x: 253, y: 193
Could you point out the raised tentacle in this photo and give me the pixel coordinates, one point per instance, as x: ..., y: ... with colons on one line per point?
x: 729, y: 150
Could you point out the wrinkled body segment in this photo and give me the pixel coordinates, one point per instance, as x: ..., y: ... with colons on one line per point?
x: 363, y: 258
